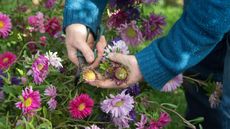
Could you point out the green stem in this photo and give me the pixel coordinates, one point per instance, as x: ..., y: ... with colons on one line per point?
x: 195, y: 80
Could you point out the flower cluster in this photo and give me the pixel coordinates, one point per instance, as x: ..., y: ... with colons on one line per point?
x: 51, y: 92
x: 125, y: 16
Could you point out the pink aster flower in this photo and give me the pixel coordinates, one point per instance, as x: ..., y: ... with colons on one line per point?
x: 30, y: 101
x: 130, y: 33
x: 153, y: 26
x: 5, y: 25
x: 119, y: 105
x: 163, y: 120
x: 6, y: 60
x: 117, y: 47
x: 92, y: 127
x: 37, y: 22
x: 173, y: 84
x: 40, y: 69
x: 81, y: 106
x: 51, y: 91
x: 142, y: 123
x: 53, y: 26
x: 52, y: 104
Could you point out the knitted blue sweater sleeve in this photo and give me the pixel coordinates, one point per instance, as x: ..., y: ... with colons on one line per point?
x: 87, y: 12
x: 202, y: 25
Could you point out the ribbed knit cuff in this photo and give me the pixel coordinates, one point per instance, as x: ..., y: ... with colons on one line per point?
x: 153, y: 72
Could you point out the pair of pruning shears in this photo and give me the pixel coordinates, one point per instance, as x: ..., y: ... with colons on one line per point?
x: 81, y: 59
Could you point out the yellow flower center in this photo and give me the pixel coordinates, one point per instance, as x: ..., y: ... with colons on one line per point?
x: 5, y: 60
x: 119, y: 104
x: 28, y: 102
x: 81, y: 107
x: 131, y: 33
x: 1, y: 24
x: 89, y: 75
x: 40, y: 66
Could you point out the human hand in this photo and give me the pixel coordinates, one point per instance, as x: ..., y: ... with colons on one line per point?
x: 130, y: 62
x: 76, y: 35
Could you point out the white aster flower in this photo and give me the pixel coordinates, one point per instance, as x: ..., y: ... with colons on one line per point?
x: 54, y: 60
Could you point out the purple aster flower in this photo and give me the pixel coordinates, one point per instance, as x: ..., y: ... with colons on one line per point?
x: 141, y: 124
x: 119, y: 105
x: 50, y: 3
x: 153, y: 26
x: 133, y: 90
x: 117, y: 47
x: 149, y: 1
x: 173, y: 84
x: 117, y: 18
x: 2, y: 96
x: 133, y: 13
x: 130, y: 33
x: 121, y: 122
x: 15, y: 81
x: 214, y: 98
x: 52, y: 104
x: 121, y: 4
x: 132, y: 115
x: 51, y: 91
x: 40, y: 69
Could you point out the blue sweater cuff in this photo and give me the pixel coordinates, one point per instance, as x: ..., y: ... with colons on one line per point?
x: 153, y: 72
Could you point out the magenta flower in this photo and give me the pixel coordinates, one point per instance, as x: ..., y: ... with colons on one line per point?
x: 5, y: 25
x: 37, y: 22
x: 30, y: 101
x: 6, y: 60
x: 40, y: 69
x: 119, y: 105
x: 50, y: 3
x: 51, y: 91
x: 163, y: 120
x: 130, y: 33
x: 142, y: 123
x: 173, y: 84
x: 153, y: 26
x: 53, y: 26
x: 52, y: 104
x: 117, y: 18
x: 81, y: 106
x: 122, y: 122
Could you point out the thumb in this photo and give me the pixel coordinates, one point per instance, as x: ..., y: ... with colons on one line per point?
x: 87, y: 53
x: 117, y: 57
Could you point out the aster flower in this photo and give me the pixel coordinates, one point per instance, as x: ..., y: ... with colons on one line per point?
x: 50, y: 3
x: 32, y: 47
x: 214, y: 98
x: 141, y: 124
x: 15, y: 81
x: 163, y: 120
x: 6, y: 60
x: 81, y: 106
x: 132, y: 115
x: 130, y: 33
x: 52, y: 104
x: 133, y: 90
x: 119, y: 105
x: 37, y: 22
x: 153, y: 26
x: 43, y: 40
x: 30, y: 101
x: 54, y: 60
x: 149, y: 1
x: 122, y: 122
x: 117, y: 18
x: 40, y: 69
x: 117, y: 47
x: 51, y: 91
x: 2, y: 96
x: 92, y: 127
x: 173, y: 84
x: 5, y: 25
x: 53, y: 26
x: 133, y: 13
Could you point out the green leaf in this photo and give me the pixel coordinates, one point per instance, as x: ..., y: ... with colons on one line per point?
x: 44, y: 110
x: 20, y: 71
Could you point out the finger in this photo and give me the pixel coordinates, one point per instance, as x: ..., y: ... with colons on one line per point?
x: 108, y: 84
x: 117, y: 57
x: 72, y: 55
x: 86, y: 51
x: 97, y: 60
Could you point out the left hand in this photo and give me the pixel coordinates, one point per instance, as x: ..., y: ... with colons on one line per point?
x: 134, y: 72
